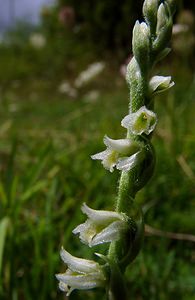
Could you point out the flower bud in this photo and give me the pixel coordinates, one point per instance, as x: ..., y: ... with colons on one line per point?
x: 161, y: 18
x: 160, y: 84
x: 172, y: 5
x: 163, y: 29
x: 141, y: 41
x: 150, y: 8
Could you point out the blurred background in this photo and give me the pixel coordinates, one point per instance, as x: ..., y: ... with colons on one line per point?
x: 62, y: 88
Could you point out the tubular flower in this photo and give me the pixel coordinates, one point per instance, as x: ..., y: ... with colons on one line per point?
x: 142, y: 121
x: 80, y: 274
x: 160, y: 84
x: 116, y: 151
x: 101, y: 226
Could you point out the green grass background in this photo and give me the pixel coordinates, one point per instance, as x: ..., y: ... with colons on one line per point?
x: 46, y: 173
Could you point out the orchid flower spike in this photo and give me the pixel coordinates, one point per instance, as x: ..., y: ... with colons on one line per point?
x: 142, y: 121
x: 101, y: 226
x: 80, y: 274
x: 116, y: 151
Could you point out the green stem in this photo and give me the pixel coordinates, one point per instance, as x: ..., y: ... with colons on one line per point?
x: 117, y: 289
x: 123, y: 204
x: 138, y: 79
x: 125, y: 191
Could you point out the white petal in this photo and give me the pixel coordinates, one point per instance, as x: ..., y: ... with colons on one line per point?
x: 63, y: 286
x: 79, y: 265
x: 101, y: 216
x: 102, y: 155
x: 126, y: 121
x: 87, y: 231
x: 121, y: 145
x: 69, y: 283
x: 128, y: 163
x: 81, y: 281
x: 110, y: 233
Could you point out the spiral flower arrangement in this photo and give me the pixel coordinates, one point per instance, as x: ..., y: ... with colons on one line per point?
x: 133, y: 156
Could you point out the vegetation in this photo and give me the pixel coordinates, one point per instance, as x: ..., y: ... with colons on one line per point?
x: 46, y: 139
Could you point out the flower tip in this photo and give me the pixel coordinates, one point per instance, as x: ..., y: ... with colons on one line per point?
x: 86, y: 209
x: 57, y: 276
x: 62, y: 251
x: 103, y: 257
x: 83, y: 206
x: 106, y: 140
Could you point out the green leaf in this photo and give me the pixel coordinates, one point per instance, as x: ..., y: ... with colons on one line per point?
x: 40, y: 185
x: 4, y: 224
x: 3, y: 195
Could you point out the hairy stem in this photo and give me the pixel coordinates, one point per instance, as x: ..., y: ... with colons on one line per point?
x: 150, y: 40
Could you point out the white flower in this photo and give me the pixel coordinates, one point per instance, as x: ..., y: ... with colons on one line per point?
x: 91, y: 72
x: 160, y: 84
x: 92, y: 96
x: 116, y: 151
x: 101, y: 226
x: 37, y: 40
x: 66, y: 88
x: 142, y: 121
x: 180, y: 28
x: 80, y: 274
